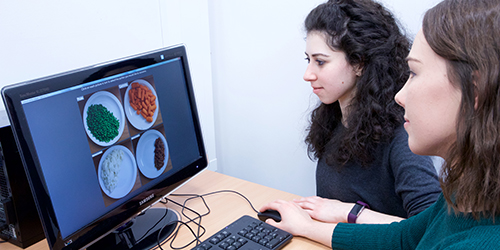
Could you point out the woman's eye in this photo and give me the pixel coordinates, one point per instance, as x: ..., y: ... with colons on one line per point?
x: 319, y: 62
x: 411, y: 74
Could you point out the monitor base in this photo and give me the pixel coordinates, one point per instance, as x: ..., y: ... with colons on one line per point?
x: 141, y: 232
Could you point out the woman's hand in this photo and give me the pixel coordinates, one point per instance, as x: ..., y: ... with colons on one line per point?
x: 326, y: 210
x: 294, y: 219
x: 297, y: 221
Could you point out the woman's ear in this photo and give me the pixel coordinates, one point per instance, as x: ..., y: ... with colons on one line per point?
x: 358, y: 69
x: 475, y: 99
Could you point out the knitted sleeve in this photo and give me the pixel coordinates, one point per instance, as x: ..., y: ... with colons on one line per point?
x: 397, y: 235
x: 415, y: 176
x: 481, y: 238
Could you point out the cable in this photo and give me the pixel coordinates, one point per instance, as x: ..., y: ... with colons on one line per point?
x: 198, y: 217
x: 171, y: 246
x: 216, y: 192
x: 173, y: 236
x: 193, y: 219
x: 194, y: 196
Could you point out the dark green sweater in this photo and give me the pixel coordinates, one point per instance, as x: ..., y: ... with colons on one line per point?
x: 434, y: 228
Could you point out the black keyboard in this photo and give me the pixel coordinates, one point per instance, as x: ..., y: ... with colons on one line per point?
x: 246, y: 233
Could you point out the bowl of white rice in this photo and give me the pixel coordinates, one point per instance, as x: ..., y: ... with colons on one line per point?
x: 117, y: 171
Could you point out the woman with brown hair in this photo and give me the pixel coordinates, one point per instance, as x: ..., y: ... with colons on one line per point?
x: 452, y: 109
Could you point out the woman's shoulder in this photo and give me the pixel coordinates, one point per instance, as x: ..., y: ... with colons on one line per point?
x: 481, y: 237
x: 400, y: 134
x: 399, y: 148
x: 399, y: 142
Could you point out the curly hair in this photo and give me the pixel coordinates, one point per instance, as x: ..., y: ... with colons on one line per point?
x: 372, y: 40
x: 466, y: 33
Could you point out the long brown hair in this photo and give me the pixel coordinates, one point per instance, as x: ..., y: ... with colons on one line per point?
x: 467, y: 34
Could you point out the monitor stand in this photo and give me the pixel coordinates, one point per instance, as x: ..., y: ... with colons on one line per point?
x: 141, y: 232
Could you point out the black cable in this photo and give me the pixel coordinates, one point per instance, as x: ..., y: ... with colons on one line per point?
x: 174, y: 234
x: 220, y: 191
x: 176, y: 231
x: 178, y: 221
x: 199, y: 216
x: 193, y: 219
x: 194, y: 196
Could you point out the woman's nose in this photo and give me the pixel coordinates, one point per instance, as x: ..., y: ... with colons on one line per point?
x: 401, y: 96
x: 309, y: 75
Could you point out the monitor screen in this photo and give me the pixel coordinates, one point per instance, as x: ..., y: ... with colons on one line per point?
x: 102, y: 144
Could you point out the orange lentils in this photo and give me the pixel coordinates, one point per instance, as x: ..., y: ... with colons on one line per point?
x: 142, y: 100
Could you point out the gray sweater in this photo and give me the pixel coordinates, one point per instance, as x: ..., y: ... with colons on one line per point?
x: 398, y: 182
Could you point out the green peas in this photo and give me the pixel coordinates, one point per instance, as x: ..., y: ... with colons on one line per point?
x: 102, y: 123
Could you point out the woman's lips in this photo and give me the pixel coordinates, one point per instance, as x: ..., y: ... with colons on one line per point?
x: 316, y: 90
x: 407, y: 122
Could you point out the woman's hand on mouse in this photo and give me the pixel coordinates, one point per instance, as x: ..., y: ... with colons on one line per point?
x: 291, y: 216
x: 297, y: 221
x: 326, y: 210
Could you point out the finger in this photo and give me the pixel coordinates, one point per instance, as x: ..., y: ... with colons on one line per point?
x: 271, y: 222
x: 271, y: 205
x: 306, y: 198
x: 306, y: 205
x: 302, y: 205
x: 311, y: 200
x: 309, y: 212
x: 300, y: 199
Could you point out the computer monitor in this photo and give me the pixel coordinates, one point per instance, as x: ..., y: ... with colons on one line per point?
x: 102, y: 144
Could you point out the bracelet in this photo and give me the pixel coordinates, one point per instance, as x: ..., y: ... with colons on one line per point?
x: 356, y: 211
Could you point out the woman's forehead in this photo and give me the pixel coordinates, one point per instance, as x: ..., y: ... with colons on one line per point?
x: 422, y: 53
x: 419, y: 47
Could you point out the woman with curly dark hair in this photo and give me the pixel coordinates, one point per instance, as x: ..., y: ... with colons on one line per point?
x: 356, y: 53
x: 452, y: 109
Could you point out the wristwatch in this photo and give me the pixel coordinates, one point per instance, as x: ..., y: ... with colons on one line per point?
x: 356, y: 211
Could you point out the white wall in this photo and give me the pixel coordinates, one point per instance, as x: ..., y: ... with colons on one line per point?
x: 41, y: 38
x: 410, y: 13
x: 262, y: 103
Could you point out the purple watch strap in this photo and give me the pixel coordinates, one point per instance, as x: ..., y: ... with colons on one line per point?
x: 355, y: 211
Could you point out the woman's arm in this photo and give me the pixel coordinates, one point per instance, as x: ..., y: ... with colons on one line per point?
x: 335, y: 211
x: 405, y: 234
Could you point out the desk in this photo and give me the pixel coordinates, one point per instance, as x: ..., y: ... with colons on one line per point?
x: 225, y: 208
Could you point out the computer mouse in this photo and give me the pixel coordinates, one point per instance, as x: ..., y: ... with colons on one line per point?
x: 273, y: 214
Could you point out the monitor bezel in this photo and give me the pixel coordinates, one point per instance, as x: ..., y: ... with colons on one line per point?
x: 14, y: 94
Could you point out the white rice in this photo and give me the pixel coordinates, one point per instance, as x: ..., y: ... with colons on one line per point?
x: 111, y: 168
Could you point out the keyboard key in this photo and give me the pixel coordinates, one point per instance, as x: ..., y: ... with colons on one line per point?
x: 273, y: 243
x: 224, y: 245
x: 203, y: 246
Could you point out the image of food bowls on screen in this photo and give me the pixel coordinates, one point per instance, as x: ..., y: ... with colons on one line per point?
x: 103, y: 118
x: 140, y: 103
x: 117, y: 171
x: 152, y: 153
